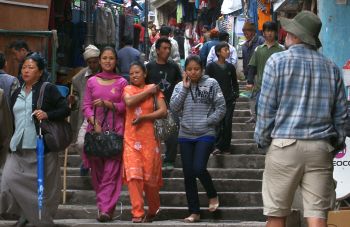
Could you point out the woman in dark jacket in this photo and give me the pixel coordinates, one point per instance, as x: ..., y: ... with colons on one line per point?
x: 19, y: 179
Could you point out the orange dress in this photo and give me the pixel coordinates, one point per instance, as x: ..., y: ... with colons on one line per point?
x: 142, y: 155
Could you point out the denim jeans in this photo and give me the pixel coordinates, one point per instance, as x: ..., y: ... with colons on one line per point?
x: 194, y: 157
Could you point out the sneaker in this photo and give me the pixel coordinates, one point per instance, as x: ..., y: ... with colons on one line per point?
x: 84, y: 171
x: 168, y: 166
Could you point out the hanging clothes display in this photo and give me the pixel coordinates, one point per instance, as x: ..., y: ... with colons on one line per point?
x: 253, y: 11
x: 203, y: 4
x: 230, y: 6
x: 264, y: 13
x: 137, y: 35
x: 129, y: 26
x: 105, y: 27
x: 226, y: 23
x: 78, y: 39
x: 179, y: 12
x: 190, y: 12
x: 117, y: 39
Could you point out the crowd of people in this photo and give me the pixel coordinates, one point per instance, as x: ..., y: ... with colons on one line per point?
x: 298, y: 103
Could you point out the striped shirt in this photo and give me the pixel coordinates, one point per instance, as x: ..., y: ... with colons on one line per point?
x: 302, y: 97
x: 200, y: 107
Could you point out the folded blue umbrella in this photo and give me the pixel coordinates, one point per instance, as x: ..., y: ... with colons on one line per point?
x: 40, y: 170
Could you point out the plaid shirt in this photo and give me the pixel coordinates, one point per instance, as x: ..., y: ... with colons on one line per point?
x: 302, y: 97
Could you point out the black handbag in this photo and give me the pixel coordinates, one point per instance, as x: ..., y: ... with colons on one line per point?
x: 57, y: 134
x: 103, y: 144
x: 164, y: 127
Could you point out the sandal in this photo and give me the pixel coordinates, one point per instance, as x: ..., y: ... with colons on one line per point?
x: 192, y: 218
x: 103, y: 217
x: 213, y: 206
x: 150, y: 217
x: 137, y: 220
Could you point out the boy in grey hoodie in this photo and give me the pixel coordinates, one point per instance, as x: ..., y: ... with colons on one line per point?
x: 201, y: 105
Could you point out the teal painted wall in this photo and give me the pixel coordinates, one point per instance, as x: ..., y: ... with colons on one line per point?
x: 335, y: 32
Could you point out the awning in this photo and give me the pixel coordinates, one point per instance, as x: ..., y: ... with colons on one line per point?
x: 286, y: 5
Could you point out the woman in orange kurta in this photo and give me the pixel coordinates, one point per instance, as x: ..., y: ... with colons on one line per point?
x: 142, y: 156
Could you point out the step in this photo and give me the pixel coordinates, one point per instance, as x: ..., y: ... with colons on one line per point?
x: 167, y: 223
x: 240, y: 119
x: 166, y: 213
x: 177, y: 184
x: 242, y: 99
x: 243, y: 126
x: 242, y: 134
x: 172, y: 199
x: 244, y: 148
x: 242, y: 141
x: 238, y: 146
x: 242, y: 82
x: 227, y: 173
x: 251, y: 161
x: 241, y: 113
x: 242, y: 105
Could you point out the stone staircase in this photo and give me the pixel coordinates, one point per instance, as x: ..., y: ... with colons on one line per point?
x: 237, y: 178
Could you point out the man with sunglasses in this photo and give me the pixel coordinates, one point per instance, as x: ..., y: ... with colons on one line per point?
x: 166, y: 74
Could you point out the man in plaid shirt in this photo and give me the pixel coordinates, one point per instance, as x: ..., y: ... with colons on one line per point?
x: 301, y: 117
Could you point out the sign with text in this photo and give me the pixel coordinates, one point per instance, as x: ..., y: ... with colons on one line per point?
x: 341, y: 163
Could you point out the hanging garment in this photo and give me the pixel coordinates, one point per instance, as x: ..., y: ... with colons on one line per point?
x: 129, y: 26
x: 203, y: 4
x: 230, y: 6
x: 137, y: 32
x: 190, y: 11
x: 264, y: 13
x: 253, y: 11
x: 78, y: 38
x: 104, y: 27
x: 179, y: 12
x: 117, y: 31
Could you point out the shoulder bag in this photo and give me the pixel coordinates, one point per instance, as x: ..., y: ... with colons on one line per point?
x: 103, y: 144
x: 57, y: 134
x: 165, y: 127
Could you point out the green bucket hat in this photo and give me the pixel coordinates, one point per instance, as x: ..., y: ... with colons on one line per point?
x: 306, y: 26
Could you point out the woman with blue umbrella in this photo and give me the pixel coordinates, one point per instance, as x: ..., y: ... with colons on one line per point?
x: 19, y: 188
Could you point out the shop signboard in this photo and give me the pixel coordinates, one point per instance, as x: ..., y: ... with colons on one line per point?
x: 341, y: 163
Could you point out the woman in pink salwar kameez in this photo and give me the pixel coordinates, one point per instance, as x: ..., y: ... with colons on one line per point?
x: 105, y: 90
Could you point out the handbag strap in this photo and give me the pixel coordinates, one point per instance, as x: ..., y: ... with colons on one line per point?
x: 105, y: 113
x: 41, y: 95
x: 155, y: 103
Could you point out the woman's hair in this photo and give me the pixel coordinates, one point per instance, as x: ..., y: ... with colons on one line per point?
x: 38, y: 59
x: 114, y: 53
x: 194, y: 58
x: 143, y: 68
x: 109, y: 48
x: 139, y: 64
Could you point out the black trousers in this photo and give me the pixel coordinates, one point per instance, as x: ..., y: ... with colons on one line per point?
x: 224, y: 130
